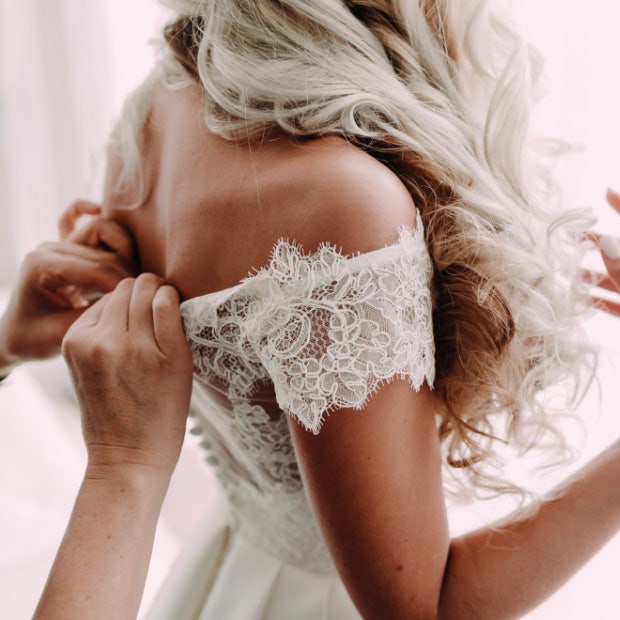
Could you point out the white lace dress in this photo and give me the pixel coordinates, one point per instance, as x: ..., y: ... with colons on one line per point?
x: 306, y: 335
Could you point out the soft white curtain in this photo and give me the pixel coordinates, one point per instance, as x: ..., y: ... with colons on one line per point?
x: 64, y: 67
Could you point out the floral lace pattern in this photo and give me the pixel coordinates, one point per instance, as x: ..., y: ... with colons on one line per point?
x: 307, y: 334
x: 333, y: 334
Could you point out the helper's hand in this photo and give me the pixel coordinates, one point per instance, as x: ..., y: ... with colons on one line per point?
x: 610, y: 251
x: 132, y: 372
x: 58, y: 281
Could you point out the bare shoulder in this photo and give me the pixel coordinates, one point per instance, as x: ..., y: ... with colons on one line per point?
x: 347, y: 197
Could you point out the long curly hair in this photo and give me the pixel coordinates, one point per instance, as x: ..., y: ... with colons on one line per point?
x: 440, y: 92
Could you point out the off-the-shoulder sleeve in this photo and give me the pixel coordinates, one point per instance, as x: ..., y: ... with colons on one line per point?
x: 333, y: 329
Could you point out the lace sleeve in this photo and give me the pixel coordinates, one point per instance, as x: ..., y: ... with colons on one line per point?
x: 339, y: 328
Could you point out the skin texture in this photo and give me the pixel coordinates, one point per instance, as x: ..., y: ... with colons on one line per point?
x: 223, y: 206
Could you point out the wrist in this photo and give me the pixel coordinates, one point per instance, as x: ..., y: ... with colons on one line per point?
x: 117, y: 467
x: 153, y: 460
x: 137, y: 485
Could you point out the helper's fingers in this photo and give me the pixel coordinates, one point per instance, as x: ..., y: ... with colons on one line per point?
x: 610, y: 251
x: 167, y: 322
x: 78, y: 324
x: 77, y: 250
x: 140, y: 309
x: 68, y: 220
x: 115, y: 314
x: 589, y: 235
x: 85, y: 318
x: 613, y: 198
x: 60, y: 273
x: 92, y: 316
x: 599, y: 279
x: 109, y: 236
x: 605, y: 305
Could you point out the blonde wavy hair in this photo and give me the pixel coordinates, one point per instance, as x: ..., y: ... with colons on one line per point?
x: 440, y: 92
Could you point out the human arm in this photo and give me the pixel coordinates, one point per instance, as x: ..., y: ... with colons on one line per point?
x: 131, y: 369
x: 374, y: 480
x: 48, y: 296
x: 398, y: 561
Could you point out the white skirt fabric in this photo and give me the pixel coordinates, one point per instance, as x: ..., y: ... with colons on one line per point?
x: 221, y: 576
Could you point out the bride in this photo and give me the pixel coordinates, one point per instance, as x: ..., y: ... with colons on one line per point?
x: 409, y: 297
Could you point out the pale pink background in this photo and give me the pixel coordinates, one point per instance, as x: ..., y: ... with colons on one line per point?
x: 65, y: 66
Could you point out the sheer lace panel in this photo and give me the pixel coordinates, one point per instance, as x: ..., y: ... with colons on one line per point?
x: 338, y: 330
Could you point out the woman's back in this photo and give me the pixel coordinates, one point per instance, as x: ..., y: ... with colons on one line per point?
x: 213, y: 209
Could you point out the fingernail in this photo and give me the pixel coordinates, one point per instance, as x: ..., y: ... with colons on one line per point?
x: 610, y: 247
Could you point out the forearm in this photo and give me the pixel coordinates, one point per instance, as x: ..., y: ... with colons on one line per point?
x: 503, y: 571
x: 102, y: 562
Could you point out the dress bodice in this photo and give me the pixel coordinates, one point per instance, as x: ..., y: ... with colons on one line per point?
x: 305, y: 335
